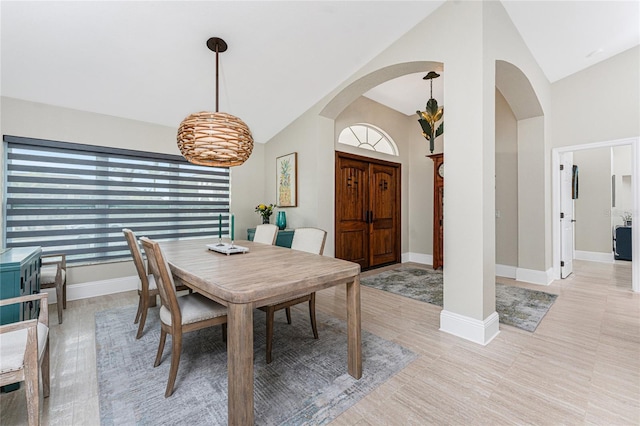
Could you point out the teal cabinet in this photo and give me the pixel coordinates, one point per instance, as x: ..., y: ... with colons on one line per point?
x: 284, y: 238
x: 19, y: 276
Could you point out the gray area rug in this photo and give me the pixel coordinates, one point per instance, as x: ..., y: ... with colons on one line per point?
x: 516, y: 306
x: 307, y: 382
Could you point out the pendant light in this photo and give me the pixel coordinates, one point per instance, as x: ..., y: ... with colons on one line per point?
x: 215, y: 139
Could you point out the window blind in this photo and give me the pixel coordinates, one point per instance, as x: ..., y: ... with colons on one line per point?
x: 76, y: 198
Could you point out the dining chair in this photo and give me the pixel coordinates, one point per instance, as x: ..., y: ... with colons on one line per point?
x: 310, y: 240
x: 24, y: 354
x: 179, y: 315
x: 148, y: 290
x: 53, y: 274
x: 266, y: 234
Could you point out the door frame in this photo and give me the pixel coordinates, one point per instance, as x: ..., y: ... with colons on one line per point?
x: 348, y: 155
x: 572, y: 244
x: 635, y: 189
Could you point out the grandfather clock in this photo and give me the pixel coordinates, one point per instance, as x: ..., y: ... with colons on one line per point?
x: 438, y: 194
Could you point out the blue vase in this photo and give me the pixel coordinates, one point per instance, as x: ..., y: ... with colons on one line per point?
x: 281, y: 220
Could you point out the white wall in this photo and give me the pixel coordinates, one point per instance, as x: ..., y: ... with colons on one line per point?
x: 467, y: 37
x: 621, y: 169
x: 30, y: 119
x: 506, y: 184
x: 600, y: 103
x: 592, y: 209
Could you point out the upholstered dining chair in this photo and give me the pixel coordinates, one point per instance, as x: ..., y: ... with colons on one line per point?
x: 24, y: 354
x: 310, y: 240
x: 266, y: 234
x: 148, y: 290
x: 53, y: 274
x: 179, y: 315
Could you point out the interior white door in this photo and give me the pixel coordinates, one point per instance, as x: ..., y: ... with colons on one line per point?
x: 566, y: 214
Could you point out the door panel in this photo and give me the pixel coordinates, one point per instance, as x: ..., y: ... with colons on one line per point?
x: 352, y: 229
x: 383, y: 205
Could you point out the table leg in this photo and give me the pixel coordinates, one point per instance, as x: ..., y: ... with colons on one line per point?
x: 240, y: 364
x: 354, y: 335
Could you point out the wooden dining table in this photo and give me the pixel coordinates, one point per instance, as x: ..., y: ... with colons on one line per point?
x: 263, y: 275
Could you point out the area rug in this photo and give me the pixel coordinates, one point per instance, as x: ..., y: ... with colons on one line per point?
x: 306, y: 383
x: 516, y: 306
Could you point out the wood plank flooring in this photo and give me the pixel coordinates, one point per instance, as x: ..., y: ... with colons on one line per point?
x: 581, y: 366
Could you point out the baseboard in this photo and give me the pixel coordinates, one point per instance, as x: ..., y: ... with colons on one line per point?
x: 534, y: 277
x: 506, y: 271
x: 425, y: 259
x: 471, y: 329
x: 96, y: 288
x: 593, y: 256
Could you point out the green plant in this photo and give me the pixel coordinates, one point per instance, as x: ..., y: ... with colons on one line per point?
x: 265, y: 210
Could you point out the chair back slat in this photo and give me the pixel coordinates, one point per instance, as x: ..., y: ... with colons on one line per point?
x: 159, y: 267
x: 138, y: 261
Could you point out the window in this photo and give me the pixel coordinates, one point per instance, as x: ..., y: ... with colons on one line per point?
x: 76, y: 199
x: 366, y: 136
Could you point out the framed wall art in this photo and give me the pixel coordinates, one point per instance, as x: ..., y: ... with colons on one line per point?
x: 287, y: 180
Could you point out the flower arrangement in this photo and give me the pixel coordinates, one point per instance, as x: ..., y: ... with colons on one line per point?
x: 265, y: 210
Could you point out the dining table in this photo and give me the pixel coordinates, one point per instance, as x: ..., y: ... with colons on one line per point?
x: 262, y: 275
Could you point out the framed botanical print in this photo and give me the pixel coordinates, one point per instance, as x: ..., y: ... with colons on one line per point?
x: 287, y: 180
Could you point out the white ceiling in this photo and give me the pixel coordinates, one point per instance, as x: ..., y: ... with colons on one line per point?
x: 148, y: 61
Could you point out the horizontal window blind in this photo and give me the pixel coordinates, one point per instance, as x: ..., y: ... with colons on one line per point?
x: 76, y: 199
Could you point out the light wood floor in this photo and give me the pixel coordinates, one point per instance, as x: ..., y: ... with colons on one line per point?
x: 581, y: 366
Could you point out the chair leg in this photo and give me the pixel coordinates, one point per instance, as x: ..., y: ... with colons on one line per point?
x: 139, y: 308
x: 270, y: 315
x: 32, y: 387
x: 224, y: 332
x: 64, y: 295
x: 312, y: 314
x: 288, y: 311
x: 176, y: 349
x: 143, y: 319
x: 163, y: 338
x: 46, y: 375
x: 59, y: 301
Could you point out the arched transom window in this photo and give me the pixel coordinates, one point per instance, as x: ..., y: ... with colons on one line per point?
x: 367, y: 136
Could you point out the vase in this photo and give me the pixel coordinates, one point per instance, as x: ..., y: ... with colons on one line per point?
x: 265, y: 219
x: 281, y: 220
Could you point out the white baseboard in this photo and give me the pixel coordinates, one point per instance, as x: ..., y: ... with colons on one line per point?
x: 96, y: 288
x: 594, y: 256
x: 506, y: 271
x: 534, y: 276
x: 471, y: 329
x: 425, y: 259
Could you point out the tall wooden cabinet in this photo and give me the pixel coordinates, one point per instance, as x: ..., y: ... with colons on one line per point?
x: 367, y: 212
x: 438, y: 206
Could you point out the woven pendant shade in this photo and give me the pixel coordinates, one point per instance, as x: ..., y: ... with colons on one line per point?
x: 214, y: 139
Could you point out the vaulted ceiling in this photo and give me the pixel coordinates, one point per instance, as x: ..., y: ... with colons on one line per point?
x: 148, y: 61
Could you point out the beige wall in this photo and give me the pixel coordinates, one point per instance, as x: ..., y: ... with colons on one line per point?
x: 417, y: 191
x: 506, y: 184
x: 600, y: 103
x: 467, y: 37
x: 622, y: 170
x: 592, y: 209
x: 29, y: 119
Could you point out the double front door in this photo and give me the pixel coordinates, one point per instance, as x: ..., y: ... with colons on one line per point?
x: 367, y: 210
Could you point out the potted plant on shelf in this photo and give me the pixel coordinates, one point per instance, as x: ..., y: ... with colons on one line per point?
x: 626, y: 218
x: 265, y: 210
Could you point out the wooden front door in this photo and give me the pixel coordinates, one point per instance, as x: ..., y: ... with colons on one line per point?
x: 367, y: 210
